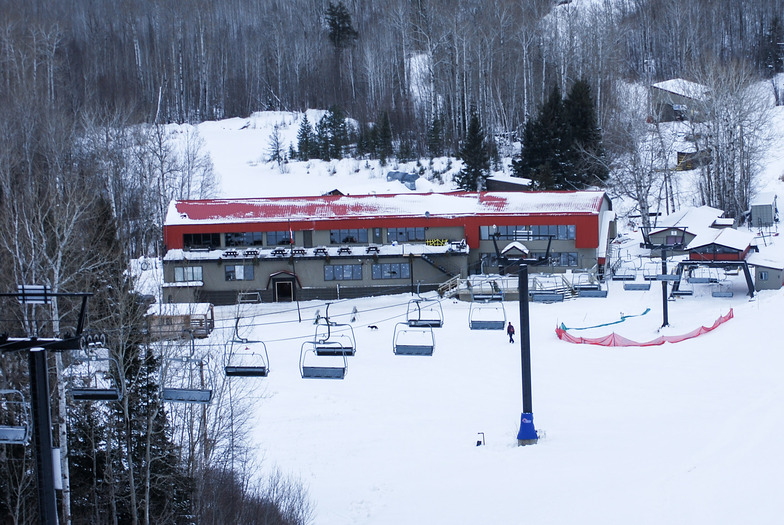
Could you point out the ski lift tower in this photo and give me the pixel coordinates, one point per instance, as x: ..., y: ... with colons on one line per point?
x: 664, y: 277
x: 36, y: 348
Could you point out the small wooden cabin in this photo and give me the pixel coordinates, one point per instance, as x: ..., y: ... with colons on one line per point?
x: 176, y: 320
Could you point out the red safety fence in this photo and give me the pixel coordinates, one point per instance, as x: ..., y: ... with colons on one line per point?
x: 614, y: 339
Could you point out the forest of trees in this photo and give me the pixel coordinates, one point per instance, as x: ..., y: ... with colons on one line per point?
x: 88, y: 167
x: 417, y: 60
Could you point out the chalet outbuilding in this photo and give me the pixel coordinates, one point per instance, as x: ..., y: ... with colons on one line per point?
x: 681, y: 227
x: 678, y: 99
x: 177, y: 320
x: 768, y: 271
x: 725, y: 244
x: 296, y: 248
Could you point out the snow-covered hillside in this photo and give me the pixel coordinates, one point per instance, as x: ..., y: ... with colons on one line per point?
x: 240, y: 151
x: 680, y: 433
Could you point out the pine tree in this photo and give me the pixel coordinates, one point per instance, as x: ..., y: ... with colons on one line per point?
x: 306, y: 139
x: 586, y: 152
x: 435, y: 137
x: 324, y: 139
x: 384, y: 138
x: 475, y: 157
x: 544, y: 158
x: 341, y: 31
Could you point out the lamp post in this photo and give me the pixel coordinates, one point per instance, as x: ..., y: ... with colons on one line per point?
x: 527, y: 434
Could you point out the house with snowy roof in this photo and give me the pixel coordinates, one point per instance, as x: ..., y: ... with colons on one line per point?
x: 336, y: 246
x: 680, y: 228
x: 768, y: 269
x: 724, y: 244
x: 678, y: 99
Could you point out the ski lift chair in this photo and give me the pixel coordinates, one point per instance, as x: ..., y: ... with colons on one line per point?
x: 425, y: 313
x: 251, y: 360
x: 333, y: 338
x: 721, y: 290
x: 487, y: 316
x: 97, y: 362
x: 15, y: 418
x: 413, y: 340
x: 312, y: 365
x: 248, y: 362
x: 186, y: 379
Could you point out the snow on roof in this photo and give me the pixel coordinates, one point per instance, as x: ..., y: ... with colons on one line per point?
x: 516, y: 245
x: 686, y: 88
x: 764, y: 199
x: 735, y: 239
x: 520, y: 181
x: 723, y: 222
x: 692, y: 220
x: 766, y: 261
x: 274, y: 209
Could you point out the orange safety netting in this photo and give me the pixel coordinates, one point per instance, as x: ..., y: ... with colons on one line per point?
x: 618, y: 340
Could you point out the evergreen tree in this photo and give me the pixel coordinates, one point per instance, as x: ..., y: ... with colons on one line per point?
x: 435, y: 137
x: 341, y: 31
x: 406, y: 152
x: 306, y: 139
x: 544, y: 158
x: 475, y: 157
x: 384, y: 138
x: 364, y: 145
x: 586, y: 151
x: 332, y: 134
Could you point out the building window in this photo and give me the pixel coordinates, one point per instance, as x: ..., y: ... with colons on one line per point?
x: 561, y: 232
x: 244, y: 239
x: 342, y: 272
x: 201, y: 240
x: 184, y: 274
x: 239, y: 272
x: 278, y: 238
x: 348, y: 236
x: 509, y: 233
x: 391, y: 271
x: 405, y: 234
x: 763, y: 275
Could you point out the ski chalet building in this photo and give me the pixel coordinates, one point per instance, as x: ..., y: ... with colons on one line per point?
x: 225, y: 251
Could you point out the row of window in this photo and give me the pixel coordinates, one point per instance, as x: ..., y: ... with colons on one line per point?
x: 360, y: 236
x: 560, y: 232
x: 234, y: 239
x: 348, y: 236
x: 332, y: 272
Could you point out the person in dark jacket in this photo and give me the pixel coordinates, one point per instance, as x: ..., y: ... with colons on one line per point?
x: 510, y: 332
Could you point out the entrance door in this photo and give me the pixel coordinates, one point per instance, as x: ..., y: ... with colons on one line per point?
x: 307, y: 238
x: 284, y: 291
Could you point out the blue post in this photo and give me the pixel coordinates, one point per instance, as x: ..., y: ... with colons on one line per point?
x: 527, y: 434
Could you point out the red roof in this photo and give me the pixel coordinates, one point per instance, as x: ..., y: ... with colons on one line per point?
x: 273, y: 209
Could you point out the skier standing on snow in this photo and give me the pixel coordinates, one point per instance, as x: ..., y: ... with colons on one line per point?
x: 510, y: 332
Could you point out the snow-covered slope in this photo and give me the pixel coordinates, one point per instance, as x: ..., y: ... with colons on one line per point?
x: 680, y: 434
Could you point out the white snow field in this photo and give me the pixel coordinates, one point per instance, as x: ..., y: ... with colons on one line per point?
x: 678, y: 433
